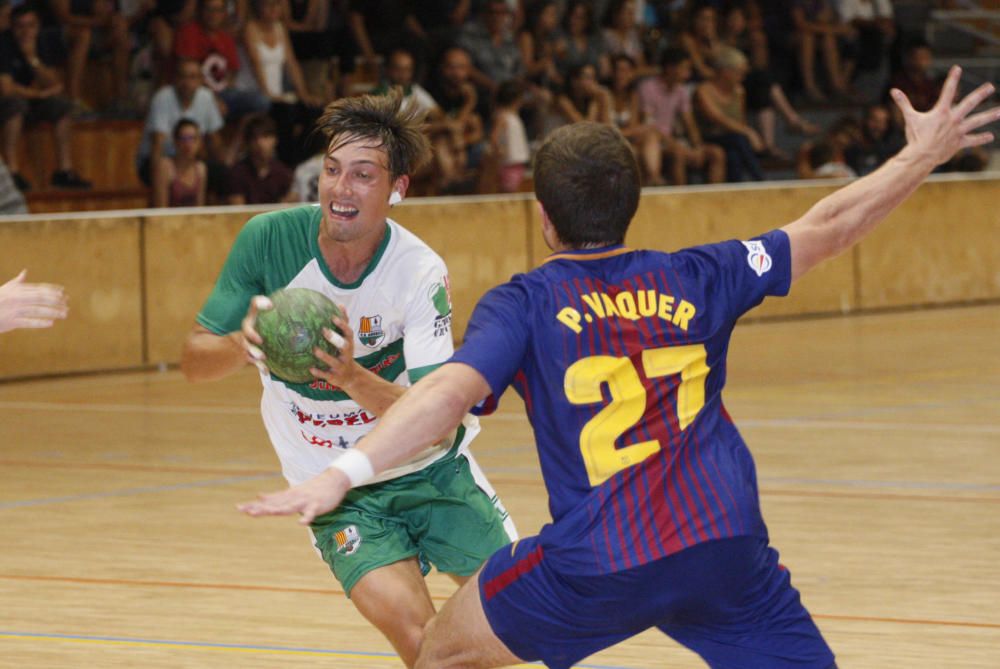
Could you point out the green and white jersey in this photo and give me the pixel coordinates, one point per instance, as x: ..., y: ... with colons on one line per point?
x: 399, y: 309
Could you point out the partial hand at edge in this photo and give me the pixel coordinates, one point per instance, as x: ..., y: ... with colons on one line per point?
x: 320, y: 494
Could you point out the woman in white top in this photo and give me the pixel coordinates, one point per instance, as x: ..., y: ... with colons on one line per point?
x: 274, y: 66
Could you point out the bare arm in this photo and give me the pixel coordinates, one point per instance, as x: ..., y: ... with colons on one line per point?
x: 424, y: 415
x: 161, y: 182
x: 209, y: 357
x: 841, y: 219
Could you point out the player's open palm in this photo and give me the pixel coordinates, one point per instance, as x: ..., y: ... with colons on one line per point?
x: 309, y: 499
x: 948, y: 127
x: 30, y: 305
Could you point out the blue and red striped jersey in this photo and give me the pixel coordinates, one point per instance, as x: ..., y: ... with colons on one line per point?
x: 620, y: 357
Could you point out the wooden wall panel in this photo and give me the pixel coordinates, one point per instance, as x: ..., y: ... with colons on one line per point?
x: 184, y: 254
x: 97, y: 260
x: 941, y: 246
x: 483, y: 241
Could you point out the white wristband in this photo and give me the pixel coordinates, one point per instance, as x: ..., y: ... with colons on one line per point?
x: 356, y: 467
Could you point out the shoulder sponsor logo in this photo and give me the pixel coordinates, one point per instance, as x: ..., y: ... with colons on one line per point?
x: 348, y: 540
x: 440, y: 296
x: 370, y: 330
x: 757, y: 257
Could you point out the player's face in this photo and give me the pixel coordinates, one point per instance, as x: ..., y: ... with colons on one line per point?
x: 354, y: 189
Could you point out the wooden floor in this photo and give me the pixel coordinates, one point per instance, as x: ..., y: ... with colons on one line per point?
x: 877, y: 440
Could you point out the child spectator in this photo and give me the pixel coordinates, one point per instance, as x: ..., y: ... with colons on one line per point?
x: 181, y: 180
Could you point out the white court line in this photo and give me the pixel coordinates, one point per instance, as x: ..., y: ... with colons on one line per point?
x: 127, y: 408
x: 793, y: 423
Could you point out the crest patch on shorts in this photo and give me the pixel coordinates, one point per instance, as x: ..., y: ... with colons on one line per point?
x: 348, y: 540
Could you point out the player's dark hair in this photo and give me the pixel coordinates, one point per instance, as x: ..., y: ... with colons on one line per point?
x: 587, y: 179
x: 384, y: 122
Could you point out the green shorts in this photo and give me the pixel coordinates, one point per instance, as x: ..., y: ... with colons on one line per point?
x: 445, y: 514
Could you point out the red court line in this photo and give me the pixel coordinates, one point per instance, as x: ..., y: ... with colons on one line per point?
x: 334, y: 591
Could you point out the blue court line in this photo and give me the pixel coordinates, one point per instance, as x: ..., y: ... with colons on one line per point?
x: 125, y: 492
x: 230, y: 646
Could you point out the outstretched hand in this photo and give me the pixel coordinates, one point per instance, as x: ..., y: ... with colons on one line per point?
x: 30, y: 305
x: 315, y: 497
x: 948, y: 127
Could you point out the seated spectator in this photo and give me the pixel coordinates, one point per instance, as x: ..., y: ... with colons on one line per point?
x: 94, y: 26
x: 720, y: 105
x: 623, y: 34
x: 915, y: 78
x: 260, y: 178
x: 438, y: 23
x: 188, y: 99
x: 305, y: 179
x: 700, y: 38
x: 817, y: 27
x: 872, y: 31
x: 581, y: 43
x: 583, y: 99
x: 665, y: 101
x: 181, y: 179
x: 11, y: 197
x: 538, y: 42
x: 460, y: 141
x: 627, y: 116
x: 490, y: 43
x: 166, y: 17
x: 765, y: 96
x: 31, y: 90
x: 879, y: 141
x: 378, y: 27
x: 827, y: 157
x: 400, y: 71
x: 209, y: 42
x: 275, y: 72
x: 508, y: 139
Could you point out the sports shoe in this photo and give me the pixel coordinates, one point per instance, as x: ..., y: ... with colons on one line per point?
x: 69, y: 179
x: 20, y: 182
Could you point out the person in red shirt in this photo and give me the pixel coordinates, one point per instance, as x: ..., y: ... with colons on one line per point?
x: 208, y: 41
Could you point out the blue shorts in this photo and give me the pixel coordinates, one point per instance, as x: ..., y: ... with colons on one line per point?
x: 727, y: 600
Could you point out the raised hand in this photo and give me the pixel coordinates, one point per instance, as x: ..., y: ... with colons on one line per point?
x: 948, y: 127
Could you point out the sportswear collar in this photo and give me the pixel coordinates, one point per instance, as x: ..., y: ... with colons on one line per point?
x: 589, y: 254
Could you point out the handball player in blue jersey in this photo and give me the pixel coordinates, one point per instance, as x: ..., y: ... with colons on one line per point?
x: 620, y: 357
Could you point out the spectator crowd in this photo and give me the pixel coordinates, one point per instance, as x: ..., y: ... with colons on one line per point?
x: 230, y: 89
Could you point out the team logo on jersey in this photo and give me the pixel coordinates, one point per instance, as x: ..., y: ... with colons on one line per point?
x: 370, y: 330
x: 348, y: 540
x: 440, y: 296
x: 757, y: 257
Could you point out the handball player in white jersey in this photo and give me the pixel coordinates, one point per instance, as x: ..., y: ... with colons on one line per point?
x: 436, y: 508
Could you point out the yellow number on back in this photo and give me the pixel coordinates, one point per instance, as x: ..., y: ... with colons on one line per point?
x: 582, y: 384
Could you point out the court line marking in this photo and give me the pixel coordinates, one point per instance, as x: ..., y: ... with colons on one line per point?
x: 125, y: 492
x: 796, y: 423
x: 242, y: 477
x: 335, y: 591
x: 246, y: 648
